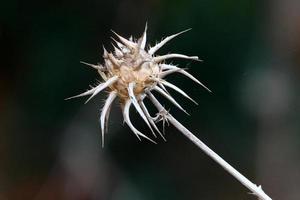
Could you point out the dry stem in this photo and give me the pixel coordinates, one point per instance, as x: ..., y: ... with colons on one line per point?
x: 256, y: 190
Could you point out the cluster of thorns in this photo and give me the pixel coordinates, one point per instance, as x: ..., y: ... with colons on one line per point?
x: 131, y: 72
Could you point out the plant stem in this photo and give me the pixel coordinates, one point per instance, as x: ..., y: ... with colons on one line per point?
x: 256, y: 190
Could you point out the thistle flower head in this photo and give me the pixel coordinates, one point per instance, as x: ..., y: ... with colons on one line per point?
x: 130, y: 73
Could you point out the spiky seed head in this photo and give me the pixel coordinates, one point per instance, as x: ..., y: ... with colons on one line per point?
x: 131, y: 72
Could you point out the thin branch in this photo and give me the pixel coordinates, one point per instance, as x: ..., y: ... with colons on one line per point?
x: 257, y: 190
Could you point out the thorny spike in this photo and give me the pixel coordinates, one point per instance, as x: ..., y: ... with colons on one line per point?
x: 151, y: 119
x: 126, y: 117
x: 126, y: 42
x: 174, y: 55
x: 182, y: 71
x: 114, y: 61
x: 131, y: 38
x: 143, y: 39
x: 162, y: 87
x: 174, y: 87
x: 102, y: 74
x: 154, y: 101
x: 152, y: 50
x: 102, y: 86
x: 106, y: 120
x: 162, y: 111
x: 111, y: 97
x: 98, y: 67
x: 148, y: 118
x: 91, y: 91
x: 118, y: 52
x: 105, y: 54
x: 135, y: 103
x: 121, y: 46
x: 168, y: 66
x: 128, y: 122
x: 168, y: 72
x: 170, y: 98
x: 194, y: 79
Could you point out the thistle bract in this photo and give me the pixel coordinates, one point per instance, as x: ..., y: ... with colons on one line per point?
x: 130, y: 73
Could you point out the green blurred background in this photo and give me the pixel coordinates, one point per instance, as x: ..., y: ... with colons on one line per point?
x: 50, y: 148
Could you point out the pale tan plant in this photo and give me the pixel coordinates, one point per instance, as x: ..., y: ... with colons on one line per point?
x: 131, y: 73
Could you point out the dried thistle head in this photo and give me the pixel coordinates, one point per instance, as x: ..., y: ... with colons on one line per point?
x: 130, y: 73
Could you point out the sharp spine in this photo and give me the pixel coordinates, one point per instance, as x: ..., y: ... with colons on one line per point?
x: 104, y: 113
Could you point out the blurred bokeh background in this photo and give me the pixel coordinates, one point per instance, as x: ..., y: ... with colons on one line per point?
x: 50, y: 148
